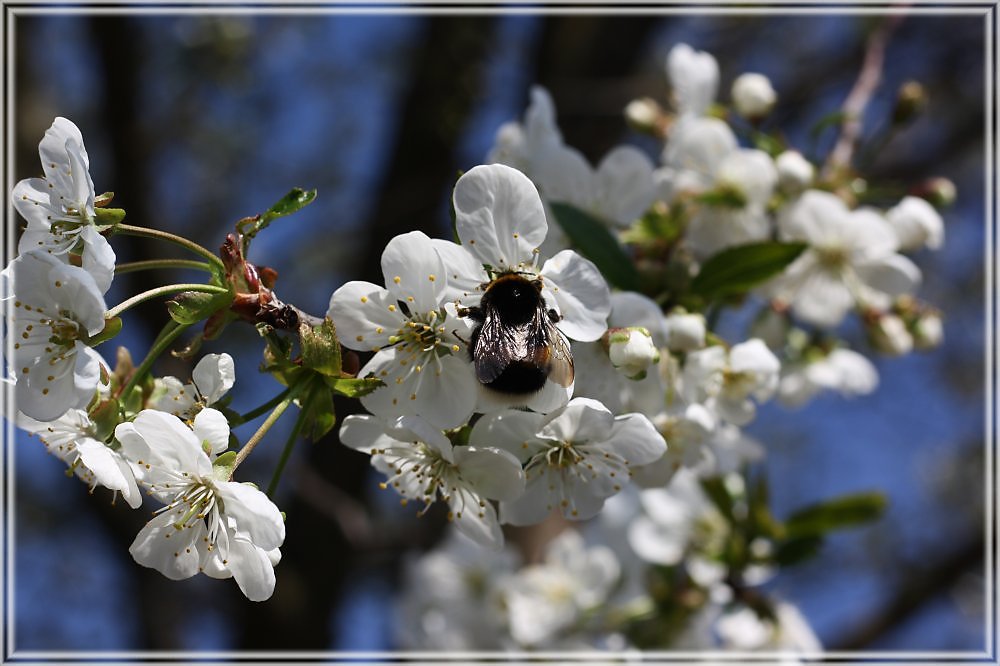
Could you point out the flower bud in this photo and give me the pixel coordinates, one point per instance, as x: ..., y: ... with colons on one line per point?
x: 888, y: 335
x: 685, y: 332
x: 795, y: 173
x: 910, y: 100
x: 644, y: 115
x: 928, y: 331
x: 939, y: 191
x: 753, y: 95
x: 916, y: 224
x: 631, y: 351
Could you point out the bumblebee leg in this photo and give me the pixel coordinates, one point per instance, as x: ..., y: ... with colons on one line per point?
x: 554, y: 316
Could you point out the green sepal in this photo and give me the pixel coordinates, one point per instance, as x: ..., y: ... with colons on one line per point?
x: 320, y: 349
x: 353, y: 387
x: 222, y: 467
x: 736, y: 270
x: 837, y: 513
x: 723, y: 197
x: 112, y: 327
x: 108, y: 217
x: 105, y: 416
x: 288, y: 204
x: 190, y: 307
x: 596, y: 242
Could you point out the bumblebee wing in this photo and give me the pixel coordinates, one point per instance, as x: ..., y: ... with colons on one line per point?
x: 560, y: 357
x: 496, y: 347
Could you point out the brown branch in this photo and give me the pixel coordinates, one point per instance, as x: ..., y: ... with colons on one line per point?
x: 857, y: 100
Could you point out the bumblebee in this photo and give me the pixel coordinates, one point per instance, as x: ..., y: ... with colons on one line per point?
x: 515, y: 345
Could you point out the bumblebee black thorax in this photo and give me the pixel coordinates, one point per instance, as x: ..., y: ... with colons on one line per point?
x: 513, y: 298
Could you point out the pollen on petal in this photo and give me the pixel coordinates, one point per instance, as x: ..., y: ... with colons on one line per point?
x: 396, y: 279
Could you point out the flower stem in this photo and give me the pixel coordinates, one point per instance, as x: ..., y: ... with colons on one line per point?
x: 169, y: 333
x: 149, y: 264
x: 271, y: 419
x: 132, y: 230
x: 162, y: 291
x: 286, y: 452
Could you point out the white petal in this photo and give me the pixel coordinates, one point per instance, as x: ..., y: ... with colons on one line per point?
x: 414, y: 428
x: 563, y: 174
x: 510, y: 430
x: 98, y: 258
x: 214, y: 375
x: 694, y: 76
x: 499, y: 215
x: 254, y: 512
x: 696, y: 147
x: 657, y: 543
x: 161, y: 546
x: 815, y: 217
x: 634, y: 438
x: 108, y: 470
x: 629, y: 308
x: 414, y: 272
x: 364, y: 433
x: 31, y: 199
x: 822, y: 299
x: 535, y: 504
x: 582, y: 295
x: 581, y: 420
x: 171, y: 443
x: 491, y: 472
x: 478, y: 522
x: 465, y: 272
x: 894, y: 275
x: 624, y: 185
x: 365, y: 315
x: 251, y: 568
x: 212, y: 427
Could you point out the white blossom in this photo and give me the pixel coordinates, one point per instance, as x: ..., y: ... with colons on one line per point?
x: 59, y: 208
x: 211, y: 379
x: 916, y: 224
x: 842, y: 370
x: 889, y: 335
x: 57, y: 307
x: 73, y: 439
x: 574, y: 458
x: 420, y: 463
x: 418, y: 342
x: 753, y: 96
x: 685, y: 331
x: 209, y: 524
x: 795, y: 172
x: 726, y: 380
x: 694, y: 78
x: 631, y: 351
x: 851, y: 260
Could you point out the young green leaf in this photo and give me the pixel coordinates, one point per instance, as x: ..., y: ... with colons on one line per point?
x: 594, y: 241
x: 736, y: 270
x: 190, y: 307
x: 288, y: 204
x: 353, y: 388
x: 837, y: 513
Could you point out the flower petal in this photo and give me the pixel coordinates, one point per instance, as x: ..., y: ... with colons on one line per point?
x: 634, y: 438
x: 499, y: 216
x: 171, y: 444
x: 211, y: 427
x: 414, y: 272
x: 582, y: 295
x: 214, y: 375
x: 581, y: 420
x: 511, y: 430
x: 254, y: 512
x: 251, y: 568
x: 475, y: 519
x: 365, y: 315
x: 491, y: 472
x: 171, y: 551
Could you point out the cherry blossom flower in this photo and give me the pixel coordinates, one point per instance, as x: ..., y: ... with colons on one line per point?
x: 209, y: 524
x: 916, y: 224
x: 57, y: 307
x: 59, y: 208
x: 211, y: 379
x: 726, y: 380
x: 694, y: 79
x: 574, y: 458
x: 753, y: 96
x: 842, y: 370
x: 851, y: 260
x: 419, y: 343
x: 543, y: 599
x: 421, y: 464
x: 72, y: 438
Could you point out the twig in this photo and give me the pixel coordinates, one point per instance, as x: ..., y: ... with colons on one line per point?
x: 857, y: 100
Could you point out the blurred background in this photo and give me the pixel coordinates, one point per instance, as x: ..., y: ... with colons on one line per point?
x: 196, y: 120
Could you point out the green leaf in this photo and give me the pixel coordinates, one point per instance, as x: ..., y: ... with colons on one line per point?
x: 716, y: 490
x: 736, y: 270
x: 595, y: 241
x: 831, y: 119
x: 353, y: 387
x: 838, y: 513
x: 796, y: 550
x: 190, y: 307
x: 320, y: 349
x: 288, y: 204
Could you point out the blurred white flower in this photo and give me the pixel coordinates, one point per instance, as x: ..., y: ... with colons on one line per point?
x: 631, y: 351
x: 753, y: 96
x: 928, y: 331
x: 420, y: 463
x: 663, y: 533
x: 726, y: 380
x: 57, y: 307
x: 851, y: 260
x: 889, y: 335
x: 209, y: 524
x: 574, y: 458
x: 544, y: 599
x: 72, y: 438
x: 741, y: 628
x: 795, y: 172
x: 59, y: 208
x: 916, y: 224
x: 842, y: 370
x: 211, y: 379
x: 417, y: 340
x: 685, y: 331
x: 694, y: 79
